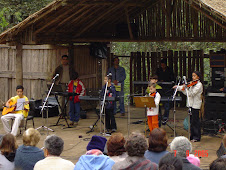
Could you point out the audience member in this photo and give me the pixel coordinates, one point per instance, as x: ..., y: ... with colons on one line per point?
x: 7, y: 152
x: 115, y: 147
x: 181, y: 146
x: 135, y: 146
x: 53, y: 147
x: 28, y: 154
x: 157, y: 145
x: 218, y: 164
x: 170, y: 161
x: 94, y: 157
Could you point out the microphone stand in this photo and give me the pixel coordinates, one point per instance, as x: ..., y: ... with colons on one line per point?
x: 189, y: 111
x: 47, y: 108
x: 174, y: 108
x: 102, y: 108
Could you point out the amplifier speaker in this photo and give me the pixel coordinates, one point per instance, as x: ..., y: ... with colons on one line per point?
x: 210, y: 127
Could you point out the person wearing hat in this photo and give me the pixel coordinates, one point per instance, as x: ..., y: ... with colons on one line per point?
x: 94, y: 157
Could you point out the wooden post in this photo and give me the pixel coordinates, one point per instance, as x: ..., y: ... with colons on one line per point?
x: 175, y: 60
x: 131, y: 76
x: 144, y: 66
x: 19, y: 64
x: 71, y: 55
x: 202, y: 64
x: 148, y: 64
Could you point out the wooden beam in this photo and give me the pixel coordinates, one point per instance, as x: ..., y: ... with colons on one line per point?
x: 113, y: 3
x: 129, y: 25
x: 70, y: 17
x: 79, y: 20
x: 19, y: 64
x: 100, y: 17
x: 56, y: 40
x: 58, y: 17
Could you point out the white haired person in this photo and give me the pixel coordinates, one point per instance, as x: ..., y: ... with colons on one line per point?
x: 53, y: 147
x: 27, y: 155
x: 182, y: 147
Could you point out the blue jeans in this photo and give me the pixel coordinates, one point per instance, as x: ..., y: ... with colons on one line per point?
x: 74, y: 112
x: 121, y: 101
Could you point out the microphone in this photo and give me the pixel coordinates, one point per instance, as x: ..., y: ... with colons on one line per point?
x: 185, y: 81
x: 109, y: 74
x: 55, y: 76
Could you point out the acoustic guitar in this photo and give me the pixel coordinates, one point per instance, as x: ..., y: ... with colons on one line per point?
x: 10, y: 109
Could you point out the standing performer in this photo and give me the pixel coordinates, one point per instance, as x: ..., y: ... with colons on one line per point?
x: 75, y: 86
x: 65, y: 72
x: 165, y: 74
x: 110, y: 122
x: 195, y: 90
x: 19, y: 115
x: 118, y: 77
x: 153, y: 112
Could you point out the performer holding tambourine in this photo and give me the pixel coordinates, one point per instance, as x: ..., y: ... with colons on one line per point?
x: 194, y: 91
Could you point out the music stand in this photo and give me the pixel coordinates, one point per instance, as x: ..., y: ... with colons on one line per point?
x: 144, y: 102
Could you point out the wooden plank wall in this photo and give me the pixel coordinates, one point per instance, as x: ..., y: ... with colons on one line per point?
x: 86, y: 66
x: 183, y: 63
x: 39, y: 62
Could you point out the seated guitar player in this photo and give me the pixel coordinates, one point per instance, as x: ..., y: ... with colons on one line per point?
x: 12, y: 111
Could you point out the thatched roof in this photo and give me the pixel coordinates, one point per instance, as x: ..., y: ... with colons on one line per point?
x: 217, y: 5
x: 97, y: 20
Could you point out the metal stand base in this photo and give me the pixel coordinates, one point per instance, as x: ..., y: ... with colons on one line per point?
x: 44, y: 128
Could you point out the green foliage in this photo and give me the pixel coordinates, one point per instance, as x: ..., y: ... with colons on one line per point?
x: 14, y: 11
x: 125, y: 48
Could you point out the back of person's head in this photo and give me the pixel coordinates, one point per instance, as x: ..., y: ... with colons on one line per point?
x: 170, y: 162
x: 157, y: 140
x: 19, y: 87
x: 181, y: 145
x: 115, y: 144
x: 8, y: 144
x: 54, y: 145
x: 218, y: 164
x: 31, y: 137
x: 136, y: 145
x: 96, y: 142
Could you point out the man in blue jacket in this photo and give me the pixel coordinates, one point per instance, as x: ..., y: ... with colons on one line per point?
x: 118, y: 77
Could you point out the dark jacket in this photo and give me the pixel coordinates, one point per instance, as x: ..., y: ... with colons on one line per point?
x: 59, y: 70
x: 189, y: 166
x: 27, y: 157
x: 111, y: 92
x: 166, y: 75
